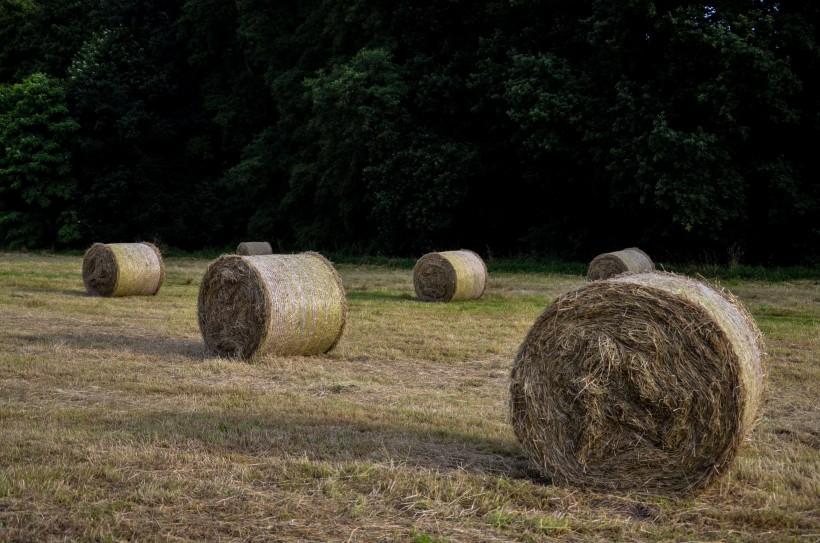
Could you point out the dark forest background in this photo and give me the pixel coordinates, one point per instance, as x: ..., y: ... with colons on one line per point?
x: 560, y: 128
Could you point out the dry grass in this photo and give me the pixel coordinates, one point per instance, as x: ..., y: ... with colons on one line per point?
x: 117, y: 425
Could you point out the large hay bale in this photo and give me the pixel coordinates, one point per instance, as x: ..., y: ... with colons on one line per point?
x: 644, y: 382
x: 449, y: 276
x: 248, y: 248
x: 608, y: 265
x: 123, y: 269
x: 271, y: 304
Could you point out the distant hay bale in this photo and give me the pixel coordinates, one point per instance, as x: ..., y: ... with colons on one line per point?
x: 123, y: 269
x: 644, y: 382
x: 608, y: 265
x: 248, y: 248
x: 271, y: 304
x: 449, y: 276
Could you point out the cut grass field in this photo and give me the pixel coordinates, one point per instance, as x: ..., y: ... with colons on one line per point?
x: 117, y: 425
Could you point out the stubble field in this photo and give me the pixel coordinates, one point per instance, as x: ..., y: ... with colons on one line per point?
x: 116, y: 424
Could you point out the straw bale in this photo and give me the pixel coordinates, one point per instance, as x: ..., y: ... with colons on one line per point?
x: 123, y: 269
x: 248, y: 248
x: 608, y: 265
x: 449, y: 276
x: 271, y: 304
x: 644, y: 382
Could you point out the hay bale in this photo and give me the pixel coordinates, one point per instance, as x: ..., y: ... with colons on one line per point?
x: 644, y: 382
x: 123, y: 269
x: 271, y: 304
x: 608, y: 265
x: 248, y: 248
x: 449, y: 276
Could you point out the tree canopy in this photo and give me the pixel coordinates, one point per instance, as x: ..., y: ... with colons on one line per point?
x: 511, y: 127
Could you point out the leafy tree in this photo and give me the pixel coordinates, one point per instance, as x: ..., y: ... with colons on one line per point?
x: 43, y: 35
x: 147, y: 155
x: 417, y: 192
x: 355, y: 102
x: 36, y: 182
x: 251, y: 58
x: 514, y: 126
x: 669, y: 117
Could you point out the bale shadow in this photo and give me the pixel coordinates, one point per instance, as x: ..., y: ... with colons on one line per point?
x: 77, y: 293
x: 112, y: 341
x: 376, y: 296
x: 329, y: 438
x: 80, y: 293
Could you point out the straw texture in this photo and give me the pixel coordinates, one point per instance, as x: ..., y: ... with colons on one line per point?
x: 644, y: 382
x: 248, y: 248
x: 449, y: 276
x: 608, y: 265
x: 271, y: 304
x: 123, y: 269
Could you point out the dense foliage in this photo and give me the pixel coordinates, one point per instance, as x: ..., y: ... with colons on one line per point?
x: 539, y: 127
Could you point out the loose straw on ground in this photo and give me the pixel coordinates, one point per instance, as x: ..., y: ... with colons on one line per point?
x: 449, y: 276
x: 123, y: 269
x: 644, y: 382
x: 271, y: 304
x: 608, y: 265
x: 248, y: 248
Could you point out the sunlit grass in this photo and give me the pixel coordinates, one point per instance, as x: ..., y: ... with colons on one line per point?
x: 116, y: 423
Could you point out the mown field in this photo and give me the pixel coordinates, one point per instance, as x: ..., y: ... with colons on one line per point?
x: 117, y: 425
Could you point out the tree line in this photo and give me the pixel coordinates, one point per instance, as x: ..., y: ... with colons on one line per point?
x: 511, y: 127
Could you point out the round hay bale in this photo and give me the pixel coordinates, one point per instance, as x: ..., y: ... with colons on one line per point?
x: 271, y: 304
x: 644, y: 382
x: 608, y: 265
x: 449, y: 276
x: 123, y: 269
x: 248, y: 248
